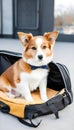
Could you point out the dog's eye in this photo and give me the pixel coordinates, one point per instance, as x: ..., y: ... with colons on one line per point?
x: 33, y: 48
x: 44, y: 47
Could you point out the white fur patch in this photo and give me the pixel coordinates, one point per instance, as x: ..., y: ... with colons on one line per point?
x: 39, y: 40
x: 30, y: 82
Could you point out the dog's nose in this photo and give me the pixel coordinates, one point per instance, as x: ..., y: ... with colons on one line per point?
x: 40, y: 57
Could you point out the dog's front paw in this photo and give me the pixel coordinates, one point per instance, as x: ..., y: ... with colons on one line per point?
x: 45, y: 99
x: 29, y: 99
x: 10, y: 95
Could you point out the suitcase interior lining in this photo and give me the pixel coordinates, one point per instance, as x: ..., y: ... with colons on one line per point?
x: 36, y: 97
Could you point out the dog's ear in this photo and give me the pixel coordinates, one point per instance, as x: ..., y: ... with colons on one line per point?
x: 24, y: 37
x: 51, y: 36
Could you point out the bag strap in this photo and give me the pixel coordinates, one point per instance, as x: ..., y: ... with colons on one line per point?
x: 53, y: 109
x: 30, y: 123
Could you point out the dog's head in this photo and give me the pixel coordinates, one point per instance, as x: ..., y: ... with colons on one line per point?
x: 38, y: 50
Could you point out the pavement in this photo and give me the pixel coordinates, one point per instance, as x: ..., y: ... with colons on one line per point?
x: 63, y: 53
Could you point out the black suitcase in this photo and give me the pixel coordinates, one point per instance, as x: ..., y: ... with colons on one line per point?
x: 58, y: 80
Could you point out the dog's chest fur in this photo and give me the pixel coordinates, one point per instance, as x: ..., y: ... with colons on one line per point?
x: 34, y: 78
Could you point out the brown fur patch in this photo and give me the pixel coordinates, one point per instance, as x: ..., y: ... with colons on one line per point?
x: 12, y: 75
x: 3, y: 83
x: 29, y: 52
x: 24, y: 67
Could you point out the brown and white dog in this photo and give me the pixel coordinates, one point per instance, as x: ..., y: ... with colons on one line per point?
x: 30, y: 72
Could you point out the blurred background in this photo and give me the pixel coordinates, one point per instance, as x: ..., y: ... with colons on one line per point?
x: 37, y: 17
x: 64, y: 16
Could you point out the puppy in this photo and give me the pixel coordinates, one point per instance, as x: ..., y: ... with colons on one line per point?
x: 31, y: 71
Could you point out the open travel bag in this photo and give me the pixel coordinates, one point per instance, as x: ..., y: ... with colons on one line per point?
x: 58, y: 89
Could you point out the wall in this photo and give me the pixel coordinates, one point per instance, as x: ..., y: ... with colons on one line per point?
x: 7, y: 19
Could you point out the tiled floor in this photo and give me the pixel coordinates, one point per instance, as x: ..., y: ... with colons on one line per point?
x: 63, y: 53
